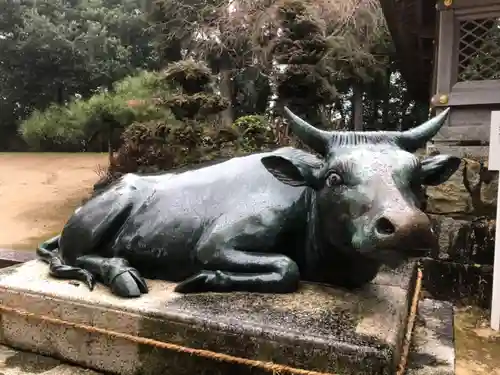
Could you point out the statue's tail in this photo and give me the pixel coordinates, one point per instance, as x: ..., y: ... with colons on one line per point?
x: 48, y: 250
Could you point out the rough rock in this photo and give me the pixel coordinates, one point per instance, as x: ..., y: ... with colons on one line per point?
x: 15, y: 362
x: 469, y: 241
x: 454, y: 197
x: 432, y: 351
x: 457, y: 282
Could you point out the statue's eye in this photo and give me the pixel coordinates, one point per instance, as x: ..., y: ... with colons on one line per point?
x: 333, y: 179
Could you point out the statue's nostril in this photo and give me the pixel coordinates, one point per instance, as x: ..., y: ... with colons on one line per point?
x: 384, y: 227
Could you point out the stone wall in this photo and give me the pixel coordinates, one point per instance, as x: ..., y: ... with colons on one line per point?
x: 463, y: 212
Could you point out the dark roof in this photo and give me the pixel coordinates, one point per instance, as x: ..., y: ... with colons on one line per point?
x: 412, y: 24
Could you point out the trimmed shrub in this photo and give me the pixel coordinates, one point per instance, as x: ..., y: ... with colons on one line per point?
x: 255, y: 133
x: 194, y: 136
x: 162, y: 145
x: 157, y: 146
x: 73, y: 126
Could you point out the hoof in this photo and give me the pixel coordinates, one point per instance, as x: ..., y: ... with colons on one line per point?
x: 89, y: 280
x: 128, y: 284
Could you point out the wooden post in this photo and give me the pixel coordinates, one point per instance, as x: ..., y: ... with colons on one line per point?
x: 446, y: 55
x: 494, y: 164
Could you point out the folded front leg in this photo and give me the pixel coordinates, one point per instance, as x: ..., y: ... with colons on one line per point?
x: 230, y: 270
x: 116, y: 273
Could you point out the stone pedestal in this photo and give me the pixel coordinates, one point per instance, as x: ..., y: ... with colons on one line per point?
x: 318, y: 328
x: 15, y: 362
x: 433, y: 350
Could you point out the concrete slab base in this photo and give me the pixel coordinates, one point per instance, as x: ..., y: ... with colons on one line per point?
x: 318, y: 328
x: 432, y: 351
x: 15, y: 362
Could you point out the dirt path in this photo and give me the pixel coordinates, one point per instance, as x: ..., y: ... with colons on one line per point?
x: 39, y: 191
x: 477, y: 346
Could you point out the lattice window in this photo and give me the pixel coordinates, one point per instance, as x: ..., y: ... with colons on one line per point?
x: 479, y: 50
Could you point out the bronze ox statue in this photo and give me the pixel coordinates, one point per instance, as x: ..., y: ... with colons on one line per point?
x: 261, y: 222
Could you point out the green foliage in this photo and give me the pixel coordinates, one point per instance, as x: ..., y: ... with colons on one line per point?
x: 303, y: 38
x: 191, y: 76
x: 192, y: 137
x: 147, y: 147
x: 162, y: 145
x: 51, y: 50
x: 156, y: 146
x: 196, y: 99
x: 71, y: 126
x: 304, y: 85
x: 198, y: 105
x: 360, y: 46
x: 251, y: 91
x: 255, y: 133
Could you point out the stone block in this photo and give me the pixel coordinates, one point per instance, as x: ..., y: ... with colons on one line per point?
x: 469, y: 241
x: 15, y: 362
x: 458, y: 282
x: 10, y: 257
x: 479, y: 153
x: 433, y: 350
x: 318, y: 328
x: 453, y: 197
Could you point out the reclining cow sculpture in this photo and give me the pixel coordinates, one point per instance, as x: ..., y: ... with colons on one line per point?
x: 259, y: 223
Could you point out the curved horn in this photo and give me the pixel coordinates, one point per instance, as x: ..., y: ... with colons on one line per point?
x: 313, y: 137
x: 415, y: 138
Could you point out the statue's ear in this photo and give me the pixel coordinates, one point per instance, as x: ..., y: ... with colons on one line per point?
x: 289, y: 171
x: 438, y: 169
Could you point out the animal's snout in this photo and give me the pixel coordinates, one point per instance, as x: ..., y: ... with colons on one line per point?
x: 404, y: 229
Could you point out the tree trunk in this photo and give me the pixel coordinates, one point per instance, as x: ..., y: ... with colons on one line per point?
x: 226, y: 92
x: 226, y: 85
x: 110, y: 142
x: 327, y: 123
x: 60, y: 95
x: 338, y: 106
x: 386, y: 104
x: 357, y: 107
x: 374, y: 115
x: 262, y: 93
x: 406, y: 103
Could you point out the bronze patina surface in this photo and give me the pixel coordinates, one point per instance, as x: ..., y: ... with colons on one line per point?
x: 261, y: 222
